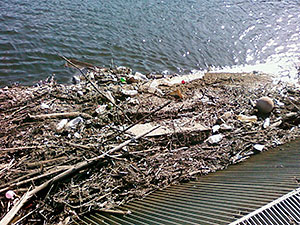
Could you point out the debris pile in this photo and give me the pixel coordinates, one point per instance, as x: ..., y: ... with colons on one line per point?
x: 114, y: 136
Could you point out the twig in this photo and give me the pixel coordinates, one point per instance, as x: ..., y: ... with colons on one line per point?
x: 71, y: 171
x: 60, y: 115
x: 94, y: 86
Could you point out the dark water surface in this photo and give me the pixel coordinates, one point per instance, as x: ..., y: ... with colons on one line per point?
x: 146, y: 35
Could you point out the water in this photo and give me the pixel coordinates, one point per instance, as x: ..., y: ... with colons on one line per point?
x: 173, y: 36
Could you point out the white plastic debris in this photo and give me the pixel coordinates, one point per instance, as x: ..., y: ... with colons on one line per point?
x: 130, y: 93
x: 10, y: 194
x: 101, y: 109
x: 140, y: 76
x: 247, y: 119
x: 215, y: 138
x: 215, y: 128
x: 74, y: 123
x: 266, y: 123
x: 77, y: 135
x: 44, y: 106
x: 75, y: 79
x: 60, y: 126
x: 258, y: 147
x: 224, y: 126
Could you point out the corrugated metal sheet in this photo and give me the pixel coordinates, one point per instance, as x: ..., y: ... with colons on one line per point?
x: 219, y: 198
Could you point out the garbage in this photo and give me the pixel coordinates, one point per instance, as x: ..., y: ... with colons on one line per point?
x: 60, y: 126
x: 44, y: 106
x: 130, y: 93
x: 216, y: 128
x: 177, y: 93
x: 75, y: 79
x: 258, y: 147
x: 101, y: 109
x: 191, y: 136
x: 247, y: 119
x: 74, y: 123
x: 266, y: 123
x: 225, y: 127
x: 10, y: 194
x: 265, y: 105
x: 215, y: 138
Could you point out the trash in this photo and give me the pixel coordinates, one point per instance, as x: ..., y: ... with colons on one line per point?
x: 101, y: 109
x: 10, y: 194
x: 265, y: 105
x: 258, y: 147
x: 215, y: 138
x: 130, y: 93
x: 60, y: 126
x: 74, y: 123
x: 215, y: 128
x: 266, y: 123
x: 75, y: 79
x: 123, y: 80
x: 183, y: 82
x: 140, y: 76
x: 247, y: 119
x: 176, y: 93
x: 77, y: 135
x: 44, y: 106
x: 225, y: 127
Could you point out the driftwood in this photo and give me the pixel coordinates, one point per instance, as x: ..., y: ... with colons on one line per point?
x: 59, y: 115
x: 74, y: 169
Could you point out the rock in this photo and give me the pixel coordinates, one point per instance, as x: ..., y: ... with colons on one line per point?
x: 265, y: 105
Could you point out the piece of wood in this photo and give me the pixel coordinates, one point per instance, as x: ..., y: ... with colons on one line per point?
x: 71, y: 171
x: 119, y: 212
x: 59, y: 115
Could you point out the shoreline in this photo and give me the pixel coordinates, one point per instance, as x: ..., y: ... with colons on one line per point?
x: 39, y: 141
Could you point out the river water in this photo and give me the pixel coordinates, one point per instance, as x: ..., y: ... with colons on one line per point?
x: 170, y: 36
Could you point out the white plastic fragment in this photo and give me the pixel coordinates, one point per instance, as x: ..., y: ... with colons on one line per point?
x: 258, y: 147
x: 77, y: 135
x: 224, y: 126
x: 130, y: 93
x: 215, y: 138
x: 215, y: 128
x: 74, y: 122
x: 44, y: 106
x: 101, y: 109
x: 266, y: 123
x: 140, y: 76
x: 10, y: 194
x: 60, y: 126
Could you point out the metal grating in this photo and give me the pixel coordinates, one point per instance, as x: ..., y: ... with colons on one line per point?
x: 223, y: 197
x: 285, y: 210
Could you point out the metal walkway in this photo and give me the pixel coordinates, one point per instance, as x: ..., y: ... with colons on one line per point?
x: 219, y: 198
